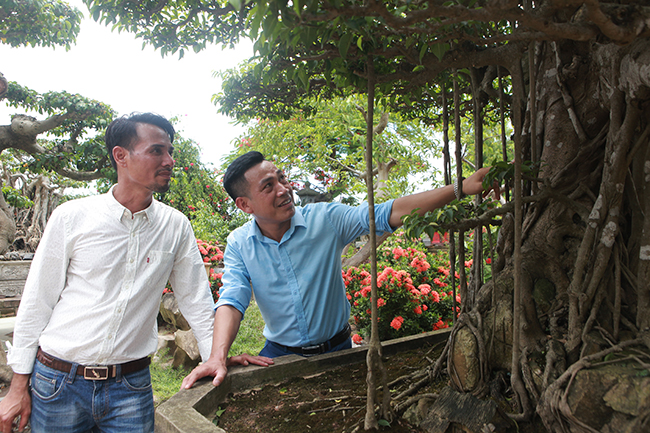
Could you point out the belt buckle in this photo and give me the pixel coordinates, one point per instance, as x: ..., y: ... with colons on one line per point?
x: 313, y: 350
x: 96, y: 373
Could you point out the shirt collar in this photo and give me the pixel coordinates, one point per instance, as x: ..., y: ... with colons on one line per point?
x: 117, y: 210
x: 298, y: 220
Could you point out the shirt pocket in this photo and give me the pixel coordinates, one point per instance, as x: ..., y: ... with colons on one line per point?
x: 157, y: 267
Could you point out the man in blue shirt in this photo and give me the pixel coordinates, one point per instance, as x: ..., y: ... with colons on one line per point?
x: 291, y: 258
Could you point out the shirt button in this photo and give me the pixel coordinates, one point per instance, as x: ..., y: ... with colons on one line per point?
x: 131, y: 261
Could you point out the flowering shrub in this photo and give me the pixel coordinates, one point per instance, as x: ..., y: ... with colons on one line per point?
x: 414, y: 291
x: 212, y: 256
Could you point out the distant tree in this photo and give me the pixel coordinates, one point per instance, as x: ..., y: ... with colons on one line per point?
x: 53, y: 135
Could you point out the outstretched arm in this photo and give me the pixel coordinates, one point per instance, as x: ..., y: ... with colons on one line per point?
x: 226, y: 326
x: 435, y: 198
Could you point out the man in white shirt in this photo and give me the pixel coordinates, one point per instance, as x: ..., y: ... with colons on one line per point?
x: 86, y: 325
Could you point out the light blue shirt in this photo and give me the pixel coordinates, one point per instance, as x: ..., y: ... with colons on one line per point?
x: 297, y: 282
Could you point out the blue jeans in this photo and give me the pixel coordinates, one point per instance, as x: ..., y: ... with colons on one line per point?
x: 273, y: 350
x: 65, y: 402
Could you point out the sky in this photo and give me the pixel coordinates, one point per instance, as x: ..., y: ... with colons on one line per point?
x: 115, y: 69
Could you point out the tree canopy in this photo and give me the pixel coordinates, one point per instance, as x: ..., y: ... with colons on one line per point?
x: 43, y: 23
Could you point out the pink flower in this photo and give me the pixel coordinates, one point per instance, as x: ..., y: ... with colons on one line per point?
x: 417, y: 310
x: 398, y: 252
x: 396, y: 323
x: 439, y: 283
x: 488, y: 260
x: 436, y: 296
x: 381, y: 302
x: 356, y: 338
x: 425, y: 289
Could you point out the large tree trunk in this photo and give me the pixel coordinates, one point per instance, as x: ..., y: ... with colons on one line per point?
x: 586, y: 248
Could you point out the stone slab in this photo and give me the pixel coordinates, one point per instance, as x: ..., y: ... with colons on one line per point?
x: 190, y: 411
x: 13, y: 274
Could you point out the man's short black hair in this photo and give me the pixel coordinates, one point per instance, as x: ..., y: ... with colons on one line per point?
x: 122, y: 131
x: 234, y: 181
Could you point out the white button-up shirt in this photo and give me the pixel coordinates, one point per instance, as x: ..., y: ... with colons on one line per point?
x: 94, y: 287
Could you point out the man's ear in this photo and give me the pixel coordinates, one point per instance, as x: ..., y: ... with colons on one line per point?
x: 119, y: 154
x: 243, y: 203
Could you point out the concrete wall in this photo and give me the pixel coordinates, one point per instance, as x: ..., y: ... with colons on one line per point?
x: 191, y: 411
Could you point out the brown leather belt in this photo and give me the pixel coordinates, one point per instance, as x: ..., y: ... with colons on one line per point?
x: 92, y: 372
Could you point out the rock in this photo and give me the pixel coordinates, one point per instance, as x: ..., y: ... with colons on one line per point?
x: 497, y: 331
x: 465, y: 411
x: 628, y: 396
x: 187, y: 353
x: 416, y: 413
x: 466, y: 361
x: 171, y: 313
x: 166, y: 346
x: 609, y: 397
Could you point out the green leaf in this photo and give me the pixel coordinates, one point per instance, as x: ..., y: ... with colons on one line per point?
x: 344, y: 44
x: 439, y: 50
x: 383, y: 423
x: 360, y: 43
x: 423, y: 50
x: 236, y: 4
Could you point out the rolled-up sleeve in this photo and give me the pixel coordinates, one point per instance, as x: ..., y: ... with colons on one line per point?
x: 237, y: 290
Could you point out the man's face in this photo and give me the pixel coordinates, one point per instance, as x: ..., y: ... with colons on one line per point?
x: 269, y: 197
x: 150, y: 162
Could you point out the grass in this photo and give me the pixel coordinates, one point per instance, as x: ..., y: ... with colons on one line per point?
x: 166, y: 381
x: 249, y: 338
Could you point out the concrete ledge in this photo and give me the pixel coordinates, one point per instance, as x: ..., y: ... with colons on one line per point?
x: 191, y: 410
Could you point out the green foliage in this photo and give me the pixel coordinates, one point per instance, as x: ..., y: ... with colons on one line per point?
x: 180, y: 27
x: 38, y: 23
x: 327, y: 148
x: 15, y: 198
x: 440, y: 220
x: 504, y: 172
x: 318, y: 48
x: 197, y: 191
